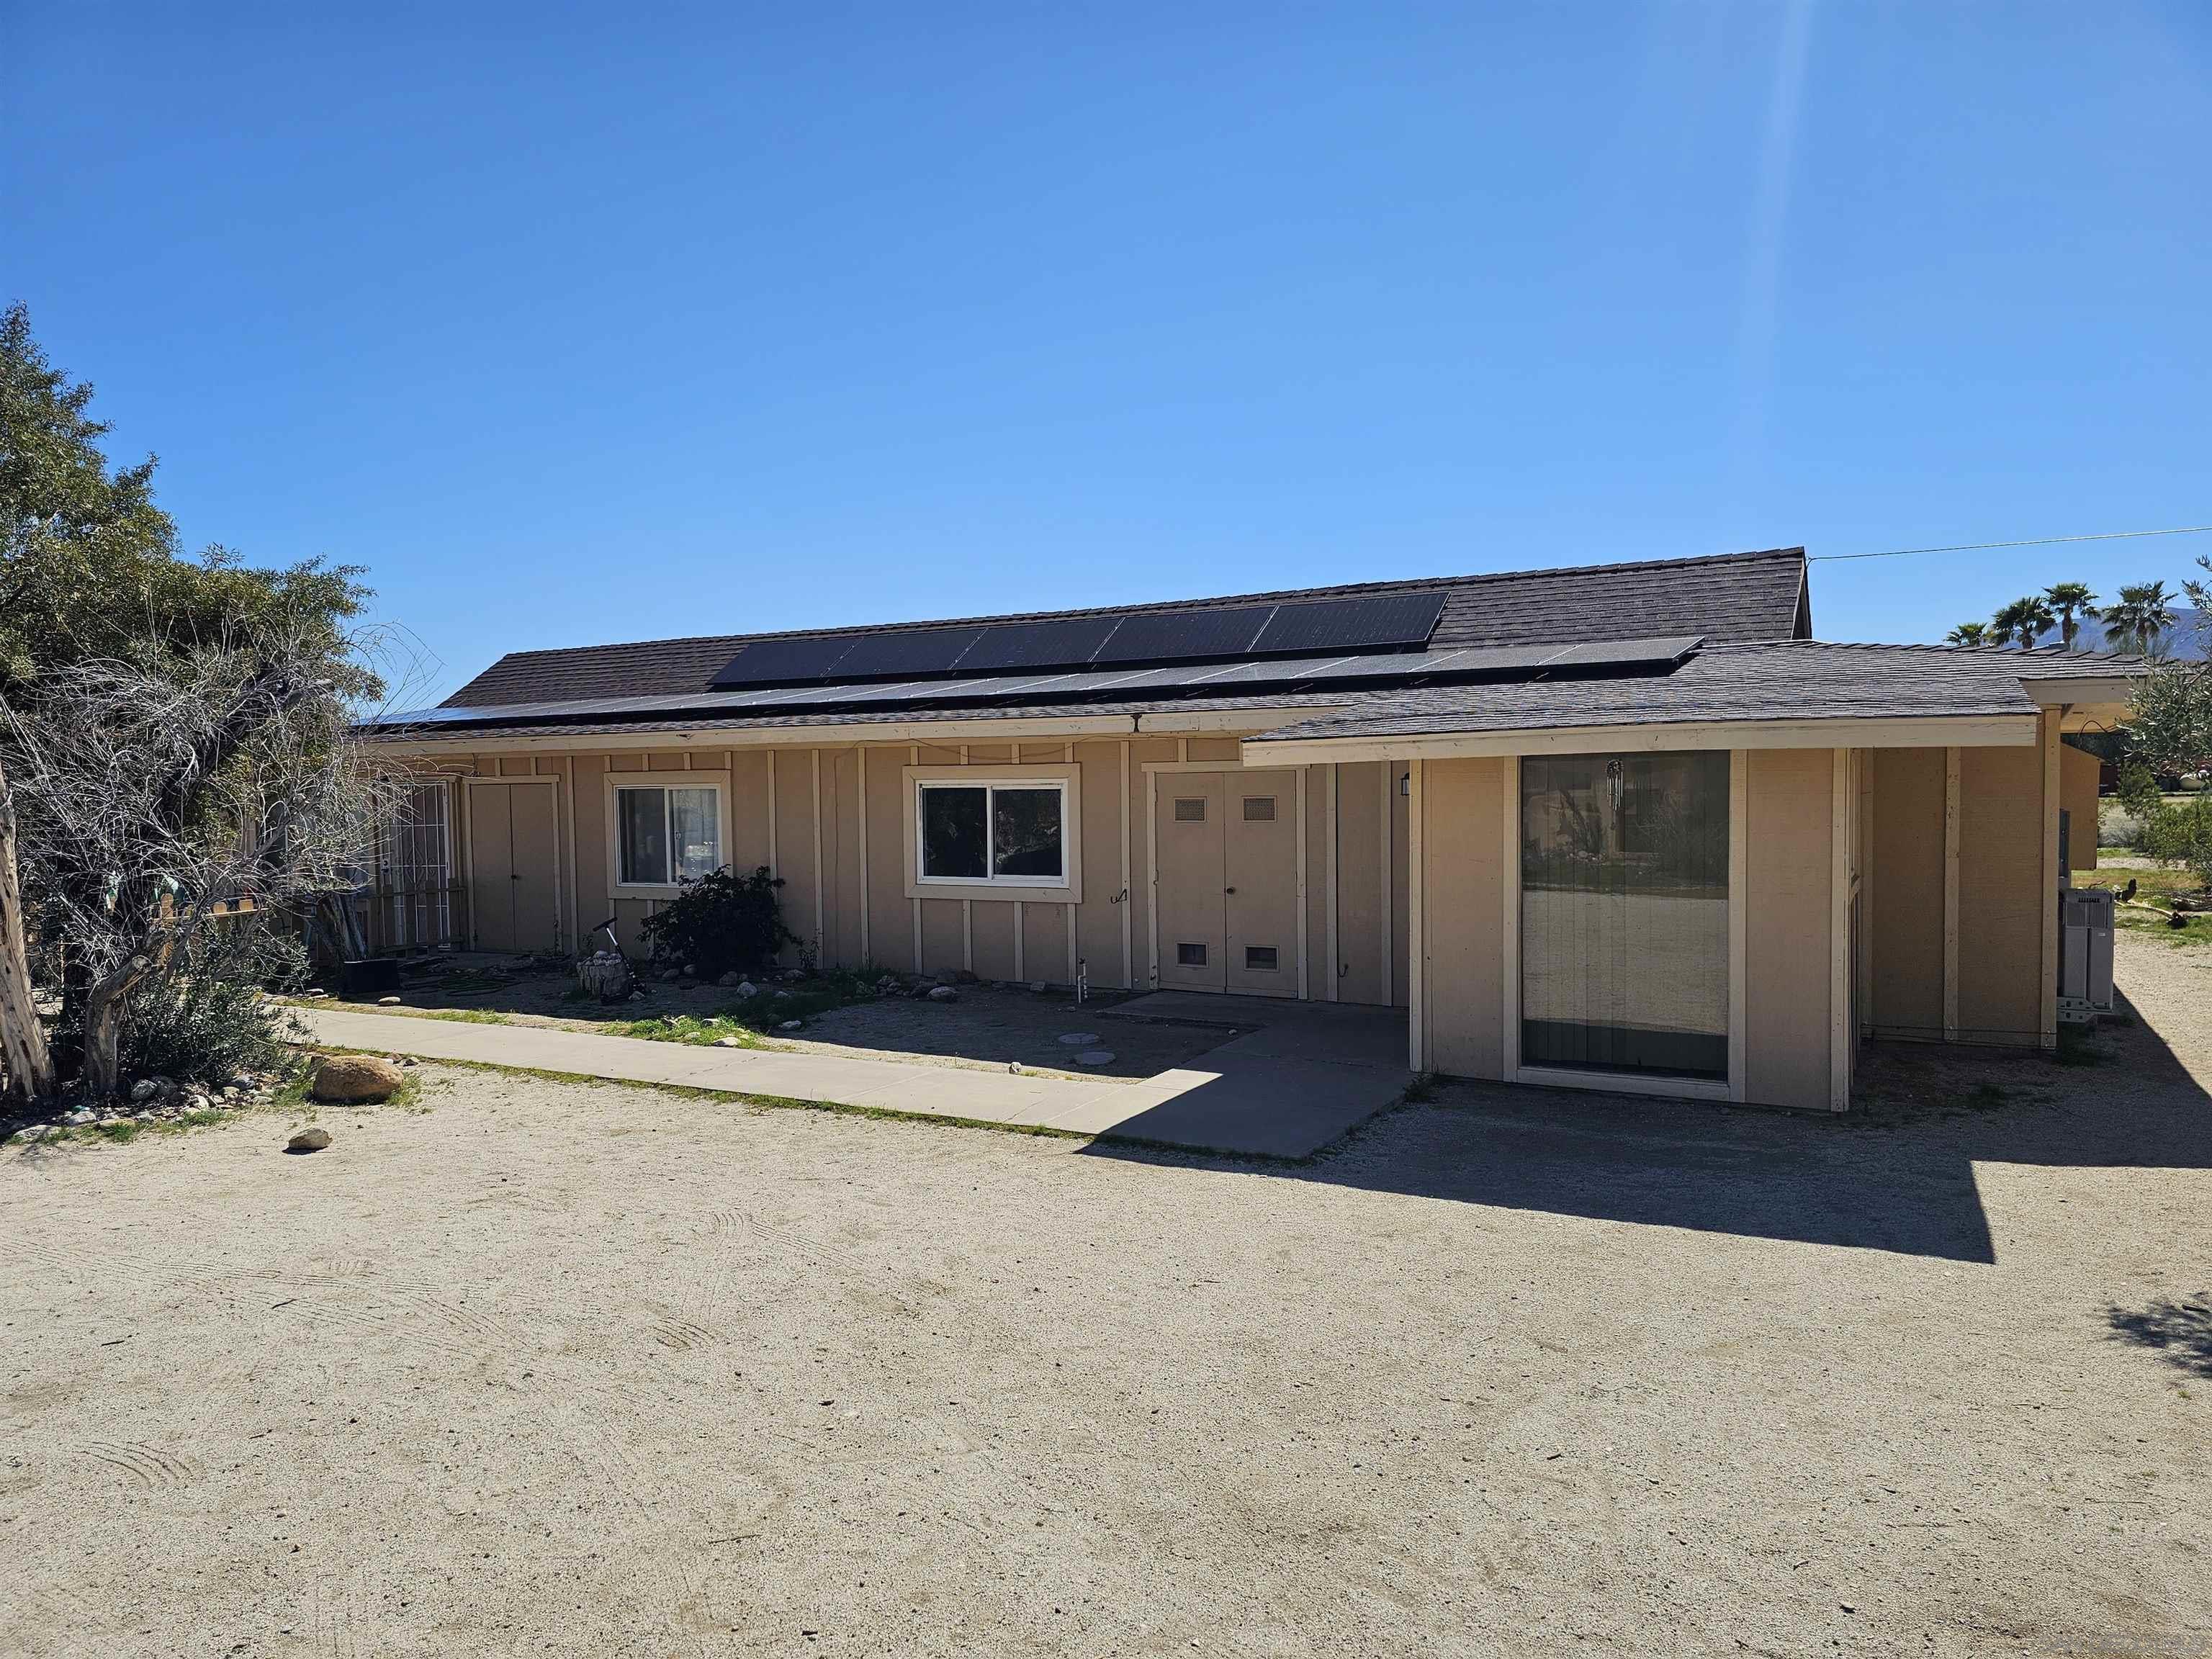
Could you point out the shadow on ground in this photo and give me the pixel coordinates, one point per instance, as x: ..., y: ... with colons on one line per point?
x: 2180, y: 1333
x: 1896, y: 1173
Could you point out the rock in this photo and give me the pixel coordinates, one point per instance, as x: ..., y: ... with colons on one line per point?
x: 1079, y: 1039
x: 354, y: 1078
x: 964, y: 977
x: 691, y: 968
x: 314, y: 991
x: 312, y: 1139
x: 671, y: 975
x: 944, y: 994
x: 80, y: 1117
x: 409, y: 1059
x: 1095, y: 1057
x: 1036, y: 986
x: 728, y: 1042
x: 747, y: 990
x: 792, y: 976
x: 733, y: 977
x: 144, y: 1088
x: 783, y: 996
x: 387, y: 1002
x: 790, y: 1025
x: 31, y: 1134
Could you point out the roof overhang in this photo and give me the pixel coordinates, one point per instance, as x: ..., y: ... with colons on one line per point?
x: 511, y: 740
x: 1936, y: 731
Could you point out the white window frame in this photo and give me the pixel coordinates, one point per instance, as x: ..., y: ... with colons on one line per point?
x: 619, y: 781
x: 1066, y: 780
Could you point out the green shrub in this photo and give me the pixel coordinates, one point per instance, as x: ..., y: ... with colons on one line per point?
x: 2181, y: 834
x: 722, y: 923
x: 203, y: 1019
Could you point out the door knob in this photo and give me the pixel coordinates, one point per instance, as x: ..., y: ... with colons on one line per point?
x: 1229, y: 890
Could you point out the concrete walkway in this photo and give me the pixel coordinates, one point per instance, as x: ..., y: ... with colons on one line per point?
x: 1256, y: 1095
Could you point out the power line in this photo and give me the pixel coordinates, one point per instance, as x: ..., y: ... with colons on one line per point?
x: 2033, y: 541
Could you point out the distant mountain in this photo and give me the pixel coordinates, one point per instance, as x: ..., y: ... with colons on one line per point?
x: 2190, y: 636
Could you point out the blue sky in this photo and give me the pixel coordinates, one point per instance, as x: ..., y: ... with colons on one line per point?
x: 584, y: 324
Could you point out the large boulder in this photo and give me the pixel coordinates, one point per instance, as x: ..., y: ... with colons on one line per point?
x: 351, y: 1079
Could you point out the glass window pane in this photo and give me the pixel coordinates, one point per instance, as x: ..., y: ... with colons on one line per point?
x: 642, y: 817
x: 1623, y: 913
x: 1025, y: 832
x: 694, y: 820
x: 953, y: 843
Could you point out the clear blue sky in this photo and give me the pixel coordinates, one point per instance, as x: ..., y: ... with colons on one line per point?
x: 575, y: 326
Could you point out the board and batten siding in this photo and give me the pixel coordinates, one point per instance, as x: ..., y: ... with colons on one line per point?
x: 784, y: 807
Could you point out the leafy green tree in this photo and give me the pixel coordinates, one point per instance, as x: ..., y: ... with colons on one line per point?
x: 2020, y: 623
x: 1968, y: 634
x: 2072, y: 601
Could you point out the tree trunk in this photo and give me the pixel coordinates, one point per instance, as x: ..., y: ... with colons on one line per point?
x: 27, y: 1066
x: 103, y: 1028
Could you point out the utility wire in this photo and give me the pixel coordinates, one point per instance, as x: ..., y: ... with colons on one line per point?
x: 2033, y: 541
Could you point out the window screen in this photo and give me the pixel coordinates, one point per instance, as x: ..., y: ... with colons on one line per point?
x: 643, y: 817
x: 667, y: 835
x: 954, y: 836
x: 1190, y: 812
x: 1190, y: 956
x: 1259, y: 809
x: 989, y: 833
x: 1259, y: 956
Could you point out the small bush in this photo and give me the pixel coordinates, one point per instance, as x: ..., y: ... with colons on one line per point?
x: 203, y: 1020
x: 722, y: 923
x: 2181, y: 834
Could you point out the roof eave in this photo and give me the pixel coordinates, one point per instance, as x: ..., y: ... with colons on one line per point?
x: 2010, y: 729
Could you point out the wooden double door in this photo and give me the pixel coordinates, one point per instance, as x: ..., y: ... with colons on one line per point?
x: 514, y: 862
x: 1225, y: 887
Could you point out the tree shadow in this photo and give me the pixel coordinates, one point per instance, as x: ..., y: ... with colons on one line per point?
x: 1896, y: 1173
x: 2180, y: 1331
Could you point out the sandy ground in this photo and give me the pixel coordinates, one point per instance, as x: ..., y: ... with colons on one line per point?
x: 555, y: 1369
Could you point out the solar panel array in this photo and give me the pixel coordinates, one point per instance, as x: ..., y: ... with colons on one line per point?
x: 1144, y: 636
x: 1328, y: 674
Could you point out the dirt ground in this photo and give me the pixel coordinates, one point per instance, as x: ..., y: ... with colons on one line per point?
x: 541, y: 1368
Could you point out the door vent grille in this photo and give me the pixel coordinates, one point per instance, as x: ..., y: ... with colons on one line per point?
x: 1190, y: 956
x: 1190, y: 812
x: 1259, y: 956
x: 1259, y: 809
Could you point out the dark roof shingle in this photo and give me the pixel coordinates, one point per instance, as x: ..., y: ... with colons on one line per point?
x: 1728, y: 597
x: 1783, y: 680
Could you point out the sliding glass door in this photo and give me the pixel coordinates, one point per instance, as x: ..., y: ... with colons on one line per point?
x: 1625, y: 912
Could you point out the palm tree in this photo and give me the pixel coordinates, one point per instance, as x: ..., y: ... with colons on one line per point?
x: 1968, y: 634
x: 2144, y: 612
x: 2070, y: 600
x: 2018, y: 622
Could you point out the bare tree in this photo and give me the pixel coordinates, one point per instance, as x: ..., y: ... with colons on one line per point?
x: 148, y: 799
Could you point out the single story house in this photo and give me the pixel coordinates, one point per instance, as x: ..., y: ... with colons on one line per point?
x: 1626, y: 827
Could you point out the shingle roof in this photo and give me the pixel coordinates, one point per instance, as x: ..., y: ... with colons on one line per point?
x: 1728, y: 597
x: 1784, y: 680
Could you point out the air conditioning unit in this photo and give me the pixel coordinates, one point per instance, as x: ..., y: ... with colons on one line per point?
x: 2085, y: 952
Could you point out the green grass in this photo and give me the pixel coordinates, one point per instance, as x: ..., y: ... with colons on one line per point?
x: 689, y: 1028
x: 2160, y: 886
x: 464, y: 1016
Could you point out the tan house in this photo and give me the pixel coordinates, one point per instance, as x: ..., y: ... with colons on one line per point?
x: 1625, y: 827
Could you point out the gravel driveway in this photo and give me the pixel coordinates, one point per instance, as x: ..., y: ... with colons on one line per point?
x: 547, y: 1368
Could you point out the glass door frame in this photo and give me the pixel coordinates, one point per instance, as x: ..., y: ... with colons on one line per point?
x: 1631, y: 1083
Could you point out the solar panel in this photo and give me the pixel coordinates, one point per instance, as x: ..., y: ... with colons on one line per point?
x: 770, y: 661
x: 1166, y: 635
x: 1073, y: 684
x: 907, y: 652
x: 1350, y: 624
x: 1622, y: 654
x: 1038, y: 644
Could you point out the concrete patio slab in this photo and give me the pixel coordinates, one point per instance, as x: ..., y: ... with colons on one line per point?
x: 1277, y: 1092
